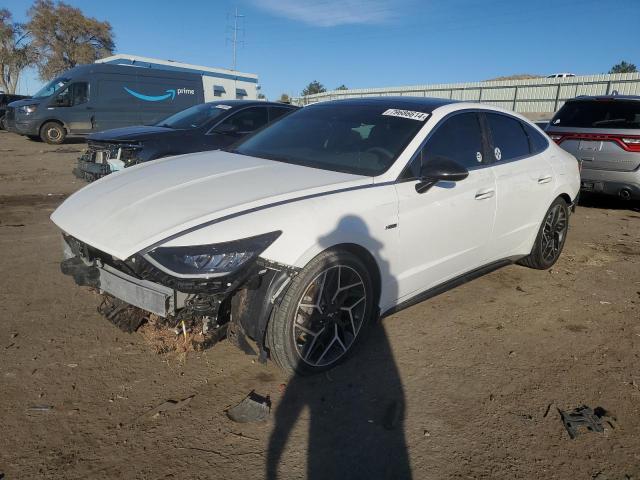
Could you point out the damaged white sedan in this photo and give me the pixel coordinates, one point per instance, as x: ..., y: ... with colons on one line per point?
x: 302, y: 234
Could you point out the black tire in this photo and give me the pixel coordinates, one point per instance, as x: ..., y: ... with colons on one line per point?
x: 286, y: 341
x: 3, y: 125
x: 53, y: 133
x: 551, y: 237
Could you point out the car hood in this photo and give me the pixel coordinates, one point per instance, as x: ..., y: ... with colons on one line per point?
x: 137, y: 133
x: 129, y: 211
x: 25, y: 101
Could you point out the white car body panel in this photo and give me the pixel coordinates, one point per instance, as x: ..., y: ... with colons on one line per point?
x: 445, y: 231
x: 417, y: 240
x: 519, y: 209
x: 128, y: 211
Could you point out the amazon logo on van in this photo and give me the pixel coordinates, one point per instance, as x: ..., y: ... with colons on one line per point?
x: 169, y: 94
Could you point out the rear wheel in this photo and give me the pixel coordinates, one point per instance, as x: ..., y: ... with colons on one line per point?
x: 551, y: 237
x: 3, y: 125
x: 322, y: 315
x: 53, y: 133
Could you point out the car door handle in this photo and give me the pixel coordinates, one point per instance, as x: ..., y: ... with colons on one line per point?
x: 545, y: 179
x: 484, y: 194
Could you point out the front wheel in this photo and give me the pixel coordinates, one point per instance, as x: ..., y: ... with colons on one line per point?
x: 322, y: 315
x: 53, y: 133
x: 551, y: 237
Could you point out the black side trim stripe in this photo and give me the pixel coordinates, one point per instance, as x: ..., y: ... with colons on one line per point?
x: 450, y: 284
x: 264, y: 207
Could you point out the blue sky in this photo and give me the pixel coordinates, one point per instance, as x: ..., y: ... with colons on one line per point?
x: 373, y: 43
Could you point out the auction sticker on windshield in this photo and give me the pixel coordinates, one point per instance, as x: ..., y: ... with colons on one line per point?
x: 394, y: 112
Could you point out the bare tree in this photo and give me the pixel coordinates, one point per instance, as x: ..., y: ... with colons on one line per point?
x: 64, y: 37
x: 16, y: 53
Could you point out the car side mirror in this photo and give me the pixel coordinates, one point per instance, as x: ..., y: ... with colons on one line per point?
x: 440, y: 169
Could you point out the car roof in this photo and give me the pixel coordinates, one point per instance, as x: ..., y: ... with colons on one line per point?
x: 421, y: 104
x: 246, y: 103
x: 586, y: 98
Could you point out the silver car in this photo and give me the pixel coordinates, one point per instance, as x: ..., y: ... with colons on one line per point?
x: 603, y: 133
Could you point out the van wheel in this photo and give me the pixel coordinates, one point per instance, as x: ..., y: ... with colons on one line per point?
x: 53, y: 133
x: 551, y: 237
x: 322, y: 315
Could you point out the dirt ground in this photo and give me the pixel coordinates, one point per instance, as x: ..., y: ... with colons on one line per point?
x: 466, y: 385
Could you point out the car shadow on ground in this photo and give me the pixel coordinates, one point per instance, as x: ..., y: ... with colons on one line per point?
x: 67, y: 141
x: 356, y: 410
x: 607, y: 202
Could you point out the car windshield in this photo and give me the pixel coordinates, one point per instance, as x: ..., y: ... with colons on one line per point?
x: 52, y: 87
x: 362, y: 139
x: 194, y: 117
x: 599, y: 114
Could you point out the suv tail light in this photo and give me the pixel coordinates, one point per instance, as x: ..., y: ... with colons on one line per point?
x: 631, y: 143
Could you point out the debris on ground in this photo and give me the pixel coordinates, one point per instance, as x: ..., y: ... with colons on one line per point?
x: 167, y: 406
x: 123, y: 315
x: 585, y: 418
x: 40, y: 408
x: 186, y: 337
x: 254, y: 408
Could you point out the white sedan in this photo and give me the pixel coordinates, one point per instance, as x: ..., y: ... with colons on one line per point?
x: 302, y: 234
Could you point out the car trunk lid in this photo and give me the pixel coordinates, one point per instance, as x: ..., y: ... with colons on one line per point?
x: 600, y: 151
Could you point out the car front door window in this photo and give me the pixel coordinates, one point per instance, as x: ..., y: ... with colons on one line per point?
x: 74, y: 94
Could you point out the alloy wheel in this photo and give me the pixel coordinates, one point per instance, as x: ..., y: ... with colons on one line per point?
x: 329, y: 315
x: 553, y: 233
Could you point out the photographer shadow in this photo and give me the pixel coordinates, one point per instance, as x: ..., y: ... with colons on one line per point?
x: 355, y: 411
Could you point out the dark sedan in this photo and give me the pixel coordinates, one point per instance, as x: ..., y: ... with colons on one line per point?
x: 208, y: 126
x: 6, y: 99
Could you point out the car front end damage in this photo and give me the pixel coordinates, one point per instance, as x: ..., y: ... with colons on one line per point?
x: 102, y: 158
x: 236, y: 305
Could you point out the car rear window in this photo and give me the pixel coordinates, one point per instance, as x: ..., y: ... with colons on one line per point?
x: 537, y: 141
x: 599, y: 114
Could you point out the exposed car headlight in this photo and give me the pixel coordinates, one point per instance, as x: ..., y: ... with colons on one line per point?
x: 210, y: 260
x: 27, y: 109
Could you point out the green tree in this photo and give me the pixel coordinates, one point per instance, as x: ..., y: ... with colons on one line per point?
x: 313, y: 88
x: 623, y: 67
x: 261, y: 96
x: 64, y: 37
x: 16, y: 53
x: 284, y: 98
x: 342, y: 87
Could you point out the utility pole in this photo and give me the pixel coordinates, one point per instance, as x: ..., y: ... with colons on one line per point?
x: 234, y: 37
